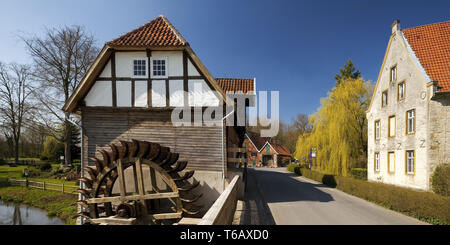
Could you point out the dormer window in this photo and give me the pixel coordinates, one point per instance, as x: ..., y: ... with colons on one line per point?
x: 139, y: 68
x: 159, y: 67
x: 394, y: 73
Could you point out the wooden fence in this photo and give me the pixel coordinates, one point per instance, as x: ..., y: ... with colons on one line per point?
x: 71, y: 189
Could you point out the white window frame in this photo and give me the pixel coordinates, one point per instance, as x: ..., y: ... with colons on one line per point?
x: 413, y: 158
x: 377, y: 129
x: 393, y: 75
x: 146, y: 67
x: 377, y: 161
x: 413, y: 118
x: 166, y: 59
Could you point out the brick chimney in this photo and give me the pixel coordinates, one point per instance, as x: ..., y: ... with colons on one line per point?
x: 395, y: 26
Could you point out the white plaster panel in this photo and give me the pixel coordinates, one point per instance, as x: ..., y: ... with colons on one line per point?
x: 158, y: 93
x: 124, y: 62
x: 123, y: 93
x: 174, y: 60
x: 140, y: 93
x: 107, y: 70
x: 176, y: 93
x: 200, y: 94
x: 192, y: 71
x: 100, y: 94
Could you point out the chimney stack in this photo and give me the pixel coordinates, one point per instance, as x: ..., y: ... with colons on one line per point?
x: 395, y: 26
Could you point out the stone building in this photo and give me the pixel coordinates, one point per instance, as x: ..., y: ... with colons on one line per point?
x: 263, y: 152
x: 409, y: 114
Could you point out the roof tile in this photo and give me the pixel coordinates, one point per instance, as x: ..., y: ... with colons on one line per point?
x: 158, y: 32
x: 431, y: 44
x: 243, y: 85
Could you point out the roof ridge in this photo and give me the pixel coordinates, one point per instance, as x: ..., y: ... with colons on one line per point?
x: 441, y: 22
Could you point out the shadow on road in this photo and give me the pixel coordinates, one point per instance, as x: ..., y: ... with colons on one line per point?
x: 281, y: 187
x: 256, y: 211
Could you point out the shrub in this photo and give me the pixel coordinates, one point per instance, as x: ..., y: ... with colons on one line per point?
x: 441, y: 180
x: 359, y: 173
x: 45, y: 166
x: 291, y: 167
x: 423, y: 205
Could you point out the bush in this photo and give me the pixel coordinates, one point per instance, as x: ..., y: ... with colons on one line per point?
x: 423, y: 205
x: 291, y: 167
x: 45, y: 166
x: 441, y: 180
x: 359, y: 173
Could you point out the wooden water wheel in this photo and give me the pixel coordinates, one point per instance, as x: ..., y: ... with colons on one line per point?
x: 107, y: 201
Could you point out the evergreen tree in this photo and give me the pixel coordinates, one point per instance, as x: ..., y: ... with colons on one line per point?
x: 347, y: 72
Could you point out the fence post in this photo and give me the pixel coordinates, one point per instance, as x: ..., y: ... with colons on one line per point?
x: 62, y: 188
x: 44, y: 185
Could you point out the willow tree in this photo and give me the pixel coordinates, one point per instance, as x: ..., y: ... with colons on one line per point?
x: 339, y: 128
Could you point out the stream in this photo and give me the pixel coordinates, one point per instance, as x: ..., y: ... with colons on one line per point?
x: 20, y: 214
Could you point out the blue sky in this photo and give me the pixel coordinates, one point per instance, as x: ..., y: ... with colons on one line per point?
x: 294, y: 47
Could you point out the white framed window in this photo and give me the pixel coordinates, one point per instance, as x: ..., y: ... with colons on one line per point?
x: 411, y: 121
x: 377, y: 162
x: 401, y: 90
x: 391, y: 126
x: 384, y: 98
x: 394, y: 73
x: 158, y: 67
x: 139, y: 68
x: 410, y: 162
x: 377, y: 129
x: 391, y: 162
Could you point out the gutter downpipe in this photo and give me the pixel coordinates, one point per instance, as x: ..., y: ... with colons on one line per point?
x: 223, y: 152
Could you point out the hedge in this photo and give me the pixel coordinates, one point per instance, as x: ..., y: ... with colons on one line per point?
x: 441, y: 180
x: 359, y: 173
x: 425, y: 206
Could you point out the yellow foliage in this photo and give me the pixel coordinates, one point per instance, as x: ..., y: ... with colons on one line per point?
x: 339, y: 128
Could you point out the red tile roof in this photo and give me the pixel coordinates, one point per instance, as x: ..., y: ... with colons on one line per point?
x: 431, y: 44
x: 236, y: 84
x: 281, y: 149
x: 158, y: 32
x: 257, y: 140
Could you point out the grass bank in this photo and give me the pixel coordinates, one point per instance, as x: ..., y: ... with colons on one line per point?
x: 16, y: 173
x: 56, y: 204
x: 425, y: 206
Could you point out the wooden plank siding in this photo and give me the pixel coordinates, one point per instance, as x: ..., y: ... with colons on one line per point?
x: 200, y: 146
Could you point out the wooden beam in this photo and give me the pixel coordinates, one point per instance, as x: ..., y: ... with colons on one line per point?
x: 236, y: 160
x: 133, y: 197
x: 241, y: 150
x: 149, y: 81
x: 113, y: 78
x: 122, y: 186
x: 185, y: 79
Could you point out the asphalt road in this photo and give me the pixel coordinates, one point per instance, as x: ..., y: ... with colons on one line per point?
x: 294, y: 200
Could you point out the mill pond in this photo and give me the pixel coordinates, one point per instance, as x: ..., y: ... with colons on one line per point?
x: 19, y: 214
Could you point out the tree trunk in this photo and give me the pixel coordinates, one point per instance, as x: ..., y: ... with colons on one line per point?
x: 16, y: 151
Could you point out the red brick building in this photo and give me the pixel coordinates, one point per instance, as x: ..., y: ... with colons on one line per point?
x: 263, y: 152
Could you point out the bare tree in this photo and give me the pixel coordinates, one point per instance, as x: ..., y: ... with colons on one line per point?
x: 61, y: 58
x: 15, y: 91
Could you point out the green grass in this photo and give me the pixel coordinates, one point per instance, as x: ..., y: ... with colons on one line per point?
x: 16, y: 173
x: 56, y: 204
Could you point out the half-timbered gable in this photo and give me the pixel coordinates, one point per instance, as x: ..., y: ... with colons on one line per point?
x: 134, y: 85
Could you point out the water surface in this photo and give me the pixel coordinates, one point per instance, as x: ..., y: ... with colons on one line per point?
x: 20, y: 214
